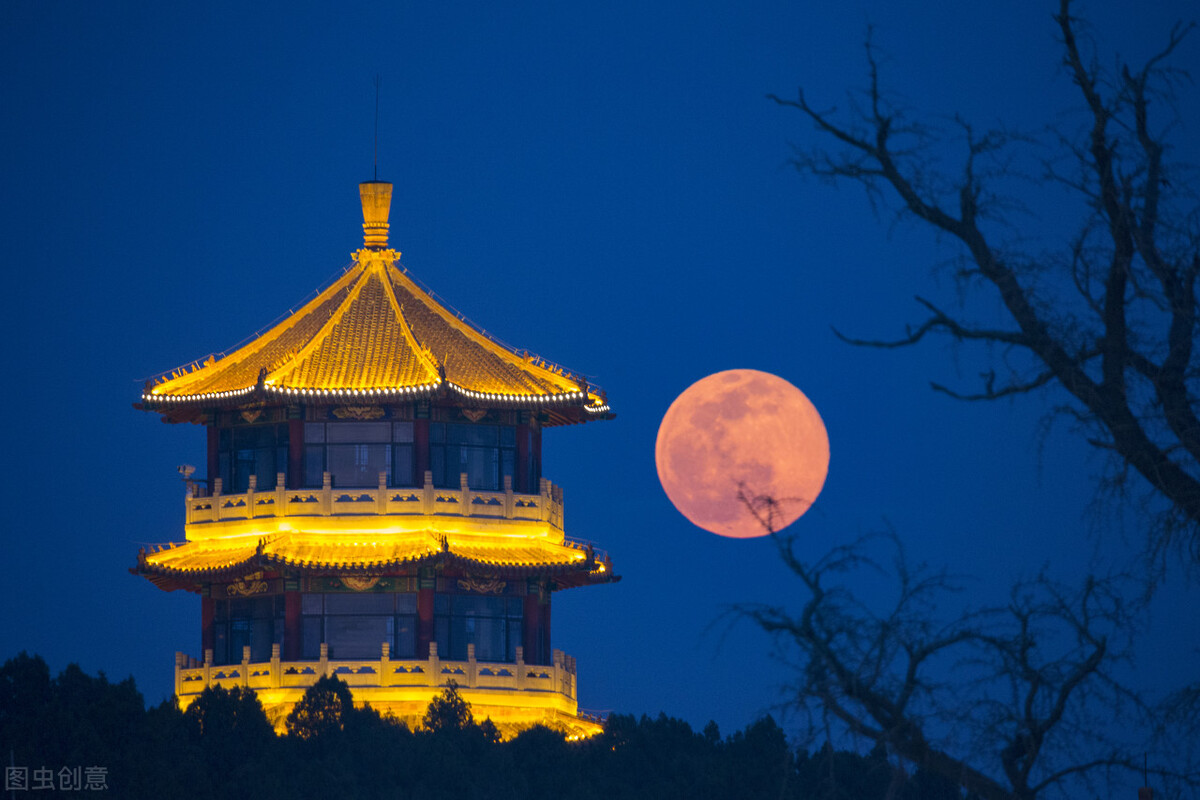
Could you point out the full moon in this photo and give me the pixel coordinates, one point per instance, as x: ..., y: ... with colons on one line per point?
x: 742, y: 432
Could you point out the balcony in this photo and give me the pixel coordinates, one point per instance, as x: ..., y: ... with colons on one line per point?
x: 513, y: 695
x: 192, y: 676
x: 382, y: 500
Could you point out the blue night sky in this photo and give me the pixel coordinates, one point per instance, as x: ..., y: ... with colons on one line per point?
x: 604, y: 184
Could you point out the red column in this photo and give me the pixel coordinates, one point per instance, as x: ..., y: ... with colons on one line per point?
x: 295, y: 465
x: 532, y: 624
x: 425, y: 633
x: 207, y: 607
x: 291, y: 626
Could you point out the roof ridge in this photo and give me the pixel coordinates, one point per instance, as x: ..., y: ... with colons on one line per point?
x: 471, y: 325
x: 420, y: 351
x: 274, y: 332
x: 318, y: 338
x: 557, y: 380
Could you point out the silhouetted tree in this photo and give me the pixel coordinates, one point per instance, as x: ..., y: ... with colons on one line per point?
x: 1108, y: 313
x: 448, y: 712
x: 659, y: 757
x: 543, y: 763
x: 171, y: 761
x: 72, y: 720
x: 1010, y: 702
x: 223, y: 747
x: 458, y: 758
x: 25, y: 692
x: 234, y: 716
x: 830, y: 774
x: 322, y: 711
x: 233, y: 736
x: 340, y: 749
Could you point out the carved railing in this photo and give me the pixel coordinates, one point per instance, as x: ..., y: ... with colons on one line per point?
x: 193, y: 676
x: 427, y: 500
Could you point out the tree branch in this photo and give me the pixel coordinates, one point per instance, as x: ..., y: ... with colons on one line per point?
x: 872, y: 672
x: 991, y: 393
x: 939, y: 321
x: 1127, y: 266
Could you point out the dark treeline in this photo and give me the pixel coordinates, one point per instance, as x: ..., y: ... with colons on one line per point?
x: 223, y: 746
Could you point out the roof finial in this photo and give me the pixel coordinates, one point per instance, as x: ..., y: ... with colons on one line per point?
x: 377, y: 81
x: 376, y: 196
x: 376, y: 203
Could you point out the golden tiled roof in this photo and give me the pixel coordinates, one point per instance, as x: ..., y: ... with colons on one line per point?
x: 297, y: 551
x: 374, y: 334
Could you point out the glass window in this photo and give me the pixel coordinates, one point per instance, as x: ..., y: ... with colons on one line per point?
x: 357, y: 464
x: 358, y: 432
x: 354, y: 626
x: 402, y: 465
x: 244, y: 463
x: 492, y: 624
x: 314, y: 465
x: 406, y: 637
x: 311, y: 633
x: 437, y: 464
x: 255, y: 622
x: 358, y: 603
x: 473, y: 434
x: 508, y: 459
x: 311, y: 603
x: 221, y: 643
x: 354, y: 453
x: 259, y: 450
x: 357, y: 636
x: 485, y: 453
x: 531, y: 466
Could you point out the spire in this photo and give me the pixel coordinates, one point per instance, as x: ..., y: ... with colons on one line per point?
x: 376, y: 203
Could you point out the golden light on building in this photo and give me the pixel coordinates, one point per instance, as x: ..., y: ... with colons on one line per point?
x: 374, y: 506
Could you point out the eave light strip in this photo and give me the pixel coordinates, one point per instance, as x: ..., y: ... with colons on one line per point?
x: 422, y: 389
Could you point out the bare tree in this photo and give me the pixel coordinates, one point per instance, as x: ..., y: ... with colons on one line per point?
x: 1109, y: 312
x: 1011, y: 702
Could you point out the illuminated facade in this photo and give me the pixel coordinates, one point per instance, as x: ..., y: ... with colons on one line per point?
x: 374, y: 506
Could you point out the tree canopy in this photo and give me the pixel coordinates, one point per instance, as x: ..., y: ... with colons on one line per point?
x: 223, y: 746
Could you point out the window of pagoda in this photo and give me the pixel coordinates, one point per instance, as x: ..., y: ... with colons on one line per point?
x: 486, y: 454
x: 246, y: 450
x: 256, y: 622
x: 354, y: 452
x: 355, y: 625
x: 494, y: 624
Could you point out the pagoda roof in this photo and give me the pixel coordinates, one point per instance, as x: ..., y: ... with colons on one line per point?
x: 375, y: 336
x: 295, y: 552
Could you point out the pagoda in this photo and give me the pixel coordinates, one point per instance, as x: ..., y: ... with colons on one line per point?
x: 374, y: 506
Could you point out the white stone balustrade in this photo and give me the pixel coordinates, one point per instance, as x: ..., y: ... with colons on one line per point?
x: 193, y: 676
x: 427, y: 500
